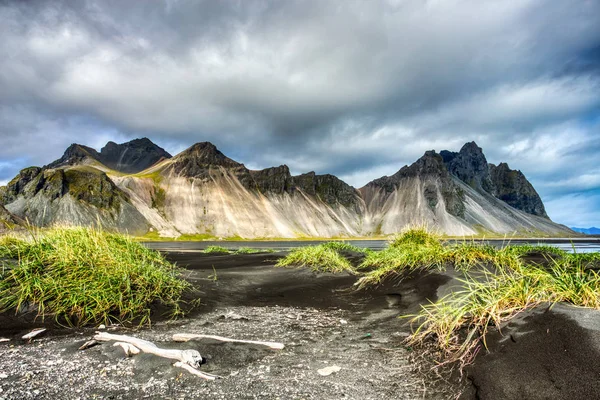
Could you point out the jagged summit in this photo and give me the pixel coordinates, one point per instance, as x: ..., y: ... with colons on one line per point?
x: 75, y: 154
x: 470, y: 166
x: 130, y: 157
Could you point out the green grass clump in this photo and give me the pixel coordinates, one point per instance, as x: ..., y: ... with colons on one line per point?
x: 400, y: 261
x: 319, y: 258
x: 346, y: 247
x: 216, y: 250
x: 467, y: 255
x: 416, y: 236
x: 82, y: 276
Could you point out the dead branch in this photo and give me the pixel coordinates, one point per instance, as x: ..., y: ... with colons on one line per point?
x: 185, y: 337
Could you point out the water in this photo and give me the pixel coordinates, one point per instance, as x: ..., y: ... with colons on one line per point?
x: 579, y: 245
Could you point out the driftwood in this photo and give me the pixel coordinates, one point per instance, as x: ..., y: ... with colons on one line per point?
x: 190, y: 357
x: 88, y: 344
x: 185, y: 337
x: 33, y: 334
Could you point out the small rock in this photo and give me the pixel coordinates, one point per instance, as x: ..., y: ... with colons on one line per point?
x: 102, y: 326
x: 343, y: 322
x: 329, y: 370
x: 234, y: 316
x: 3, y: 376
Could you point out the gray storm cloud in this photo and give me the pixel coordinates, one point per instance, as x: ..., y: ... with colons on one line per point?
x: 353, y: 88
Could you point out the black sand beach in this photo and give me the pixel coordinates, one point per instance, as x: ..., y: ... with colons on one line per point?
x: 323, y: 322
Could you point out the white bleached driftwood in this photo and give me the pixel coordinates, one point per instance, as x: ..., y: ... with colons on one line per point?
x: 185, y: 337
x: 33, y: 333
x: 189, y: 357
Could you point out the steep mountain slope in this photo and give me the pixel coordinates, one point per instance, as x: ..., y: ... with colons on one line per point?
x: 202, y: 191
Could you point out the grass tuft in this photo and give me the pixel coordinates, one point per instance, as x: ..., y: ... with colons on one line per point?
x: 415, y: 236
x: 216, y: 250
x: 321, y: 258
x: 83, y: 276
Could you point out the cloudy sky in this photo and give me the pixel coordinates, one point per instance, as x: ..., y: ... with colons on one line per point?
x: 353, y: 88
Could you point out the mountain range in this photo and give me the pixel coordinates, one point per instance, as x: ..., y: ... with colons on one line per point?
x: 138, y: 187
x: 588, y: 231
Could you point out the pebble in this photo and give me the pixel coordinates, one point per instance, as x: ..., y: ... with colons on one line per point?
x: 329, y: 370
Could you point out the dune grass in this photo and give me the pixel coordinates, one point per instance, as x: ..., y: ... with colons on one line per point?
x: 320, y: 258
x: 325, y: 257
x: 82, y: 276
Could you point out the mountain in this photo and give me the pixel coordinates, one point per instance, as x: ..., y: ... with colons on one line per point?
x: 588, y: 231
x: 137, y: 187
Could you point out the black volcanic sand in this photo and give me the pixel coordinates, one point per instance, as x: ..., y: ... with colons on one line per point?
x: 322, y: 321
x: 546, y: 353
x: 319, y: 317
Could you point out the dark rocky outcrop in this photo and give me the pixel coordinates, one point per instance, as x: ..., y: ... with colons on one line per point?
x: 274, y: 180
x: 132, y: 157
x: 18, y: 184
x: 470, y: 166
x: 82, y: 183
x: 513, y: 188
x: 327, y: 188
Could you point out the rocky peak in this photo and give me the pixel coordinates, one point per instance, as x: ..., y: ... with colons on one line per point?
x: 74, y: 155
x: 431, y: 163
x: 132, y: 157
x: 513, y: 188
x: 470, y: 166
x: 200, y: 158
